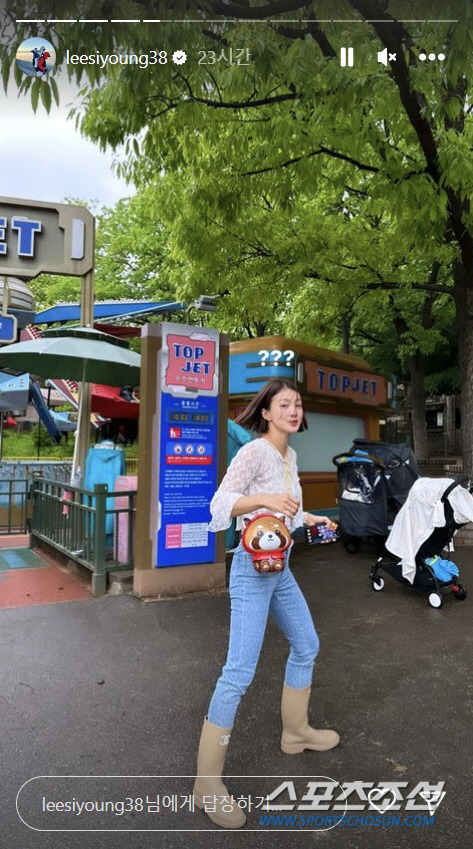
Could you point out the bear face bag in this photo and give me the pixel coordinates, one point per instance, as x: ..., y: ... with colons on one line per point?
x: 267, y: 538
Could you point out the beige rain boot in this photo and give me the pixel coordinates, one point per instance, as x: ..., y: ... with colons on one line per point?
x: 297, y: 734
x: 209, y: 787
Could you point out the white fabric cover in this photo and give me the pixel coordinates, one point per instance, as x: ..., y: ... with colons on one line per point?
x: 421, y: 513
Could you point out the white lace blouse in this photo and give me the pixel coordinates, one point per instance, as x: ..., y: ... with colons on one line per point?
x: 257, y: 468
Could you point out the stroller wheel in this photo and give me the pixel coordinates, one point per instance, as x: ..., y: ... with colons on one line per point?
x: 461, y: 594
x: 378, y: 583
x: 435, y: 600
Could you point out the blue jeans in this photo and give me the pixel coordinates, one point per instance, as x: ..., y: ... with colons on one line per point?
x: 253, y: 596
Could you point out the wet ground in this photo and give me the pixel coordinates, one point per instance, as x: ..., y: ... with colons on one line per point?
x: 114, y: 686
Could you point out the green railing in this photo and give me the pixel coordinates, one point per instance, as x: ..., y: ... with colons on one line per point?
x: 86, y: 526
x: 131, y: 463
x: 14, y: 501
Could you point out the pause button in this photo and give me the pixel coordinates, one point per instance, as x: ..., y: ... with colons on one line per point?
x: 346, y: 57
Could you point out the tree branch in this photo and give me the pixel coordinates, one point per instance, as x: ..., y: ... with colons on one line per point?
x: 244, y: 104
x: 442, y: 290
x: 393, y: 37
x: 313, y: 29
x: 271, y: 10
x: 322, y: 150
x: 235, y: 104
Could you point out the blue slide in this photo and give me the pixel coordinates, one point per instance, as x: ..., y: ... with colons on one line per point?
x: 42, y: 409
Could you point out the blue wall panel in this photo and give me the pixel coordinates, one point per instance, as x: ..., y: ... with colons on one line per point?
x: 239, y: 373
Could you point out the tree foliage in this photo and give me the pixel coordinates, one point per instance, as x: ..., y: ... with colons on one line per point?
x: 131, y: 256
x: 308, y: 195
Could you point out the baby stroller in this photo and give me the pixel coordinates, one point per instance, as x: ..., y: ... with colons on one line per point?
x: 374, y: 479
x: 434, y: 510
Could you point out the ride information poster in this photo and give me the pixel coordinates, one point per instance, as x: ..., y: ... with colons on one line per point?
x: 187, y: 444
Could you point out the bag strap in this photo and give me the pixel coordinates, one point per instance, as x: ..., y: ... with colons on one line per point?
x: 288, y: 473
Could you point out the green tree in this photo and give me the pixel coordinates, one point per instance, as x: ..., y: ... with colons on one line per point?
x: 293, y: 123
x: 414, y: 326
x: 131, y: 257
x: 395, y: 328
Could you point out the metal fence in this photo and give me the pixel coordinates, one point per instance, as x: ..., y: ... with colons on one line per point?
x: 56, y: 468
x: 14, y: 506
x: 15, y: 482
x: 26, y: 467
x: 85, y: 525
x: 132, y: 466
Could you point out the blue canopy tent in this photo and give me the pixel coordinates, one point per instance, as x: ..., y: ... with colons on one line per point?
x: 108, y: 309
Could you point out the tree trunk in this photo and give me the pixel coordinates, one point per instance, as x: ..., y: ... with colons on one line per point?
x: 419, y: 423
x: 464, y: 306
x: 450, y: 422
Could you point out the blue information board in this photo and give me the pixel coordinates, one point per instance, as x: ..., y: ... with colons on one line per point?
x: 187, y: 480
x: 8, y: 328
x: 188, y: 436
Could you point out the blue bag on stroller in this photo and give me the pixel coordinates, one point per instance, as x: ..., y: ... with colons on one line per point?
x: 433, y: 512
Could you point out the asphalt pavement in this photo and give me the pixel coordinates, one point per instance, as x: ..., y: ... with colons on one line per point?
x: 114, y: 686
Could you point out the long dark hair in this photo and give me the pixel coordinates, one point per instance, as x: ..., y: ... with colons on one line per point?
x: 251, y: 417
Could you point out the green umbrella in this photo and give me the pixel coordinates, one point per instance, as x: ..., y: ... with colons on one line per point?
x: 81, y: 354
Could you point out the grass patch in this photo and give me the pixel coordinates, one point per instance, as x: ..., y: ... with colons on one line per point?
x: 25, y: 445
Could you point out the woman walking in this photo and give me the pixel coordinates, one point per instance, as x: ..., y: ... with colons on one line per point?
x: 262, y: 478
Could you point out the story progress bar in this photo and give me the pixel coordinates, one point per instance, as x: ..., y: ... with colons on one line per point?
x: 230, y: 20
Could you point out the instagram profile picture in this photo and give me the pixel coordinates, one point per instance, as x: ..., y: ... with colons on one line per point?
x: 36, y: 57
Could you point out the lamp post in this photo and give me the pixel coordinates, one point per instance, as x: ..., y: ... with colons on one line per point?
x: 204, y: 303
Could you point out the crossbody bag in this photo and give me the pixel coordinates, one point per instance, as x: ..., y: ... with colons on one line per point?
x: 267, y: 537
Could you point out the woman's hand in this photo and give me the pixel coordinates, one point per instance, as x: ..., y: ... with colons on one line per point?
x: 283, y: 503
x: 319, y: 520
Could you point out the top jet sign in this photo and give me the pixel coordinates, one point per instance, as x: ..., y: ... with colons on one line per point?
x: 36, y: 237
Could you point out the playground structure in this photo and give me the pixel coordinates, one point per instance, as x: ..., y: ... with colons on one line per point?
x: 112, y: 317
x: 66, y: 517
x: 188, y: 392
x: 108, y: 403
x: 89, y: 523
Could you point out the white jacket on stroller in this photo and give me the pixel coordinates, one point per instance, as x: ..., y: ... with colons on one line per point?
x: 422, y: 512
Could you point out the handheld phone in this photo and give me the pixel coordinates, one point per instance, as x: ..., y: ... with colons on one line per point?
x: 321, y: 533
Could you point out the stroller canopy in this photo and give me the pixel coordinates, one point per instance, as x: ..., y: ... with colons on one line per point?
x: 422, y: 512
x: 362, y: 496
x: 400, y: 466
x: 374, y: 479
